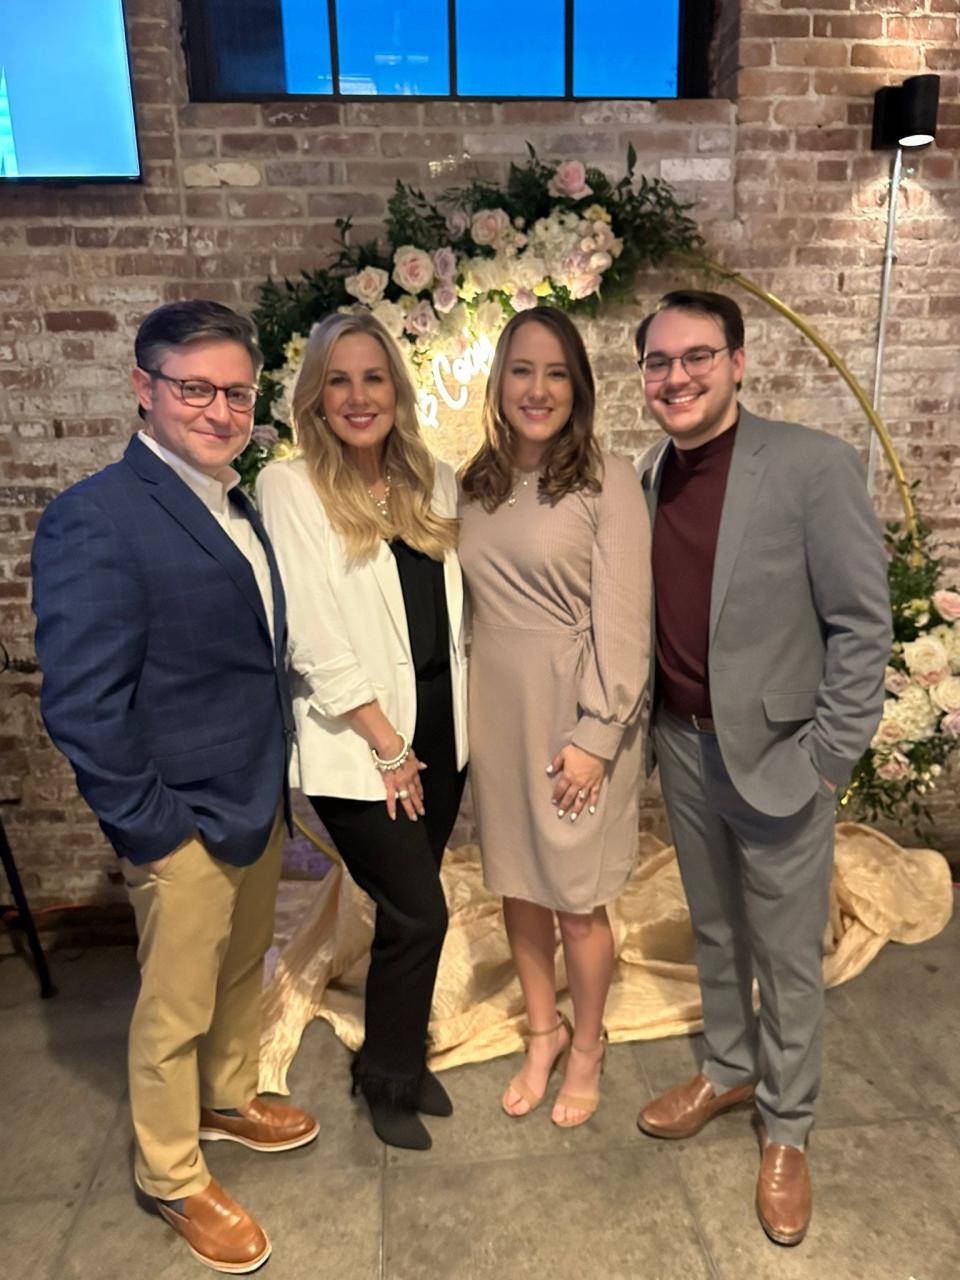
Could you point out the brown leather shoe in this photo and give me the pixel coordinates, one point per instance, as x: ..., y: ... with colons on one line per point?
x: 262, y: 1125
x: 683, y: 1110
x: 784, y: 1196
x: 220, y: 1234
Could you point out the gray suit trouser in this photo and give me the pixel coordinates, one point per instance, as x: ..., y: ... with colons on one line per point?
x: 759, y: 891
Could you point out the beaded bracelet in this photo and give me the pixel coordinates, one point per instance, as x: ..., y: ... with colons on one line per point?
x: 398, y: 761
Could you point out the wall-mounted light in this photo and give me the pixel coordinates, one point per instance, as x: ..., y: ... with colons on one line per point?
x: 904, y: 115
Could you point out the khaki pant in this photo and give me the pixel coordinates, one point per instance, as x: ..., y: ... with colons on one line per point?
x: 204, y: 928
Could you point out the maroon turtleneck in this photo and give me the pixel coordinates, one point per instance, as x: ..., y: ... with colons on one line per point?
x: 689, y: 505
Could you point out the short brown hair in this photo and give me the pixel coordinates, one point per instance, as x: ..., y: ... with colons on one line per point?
x: 716, y: 305
x: 572, y: 459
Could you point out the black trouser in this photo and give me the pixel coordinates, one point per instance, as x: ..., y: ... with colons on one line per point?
x: 398, y: 865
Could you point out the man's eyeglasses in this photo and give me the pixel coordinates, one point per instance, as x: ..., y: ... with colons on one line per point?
x: 198, y: 392
x: 697, y: 360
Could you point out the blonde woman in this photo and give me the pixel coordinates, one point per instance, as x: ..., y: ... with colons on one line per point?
x: 364, y: 526
x: 555, y: 548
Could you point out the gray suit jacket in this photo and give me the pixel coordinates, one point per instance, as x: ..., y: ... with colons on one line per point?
x: 800, y: 628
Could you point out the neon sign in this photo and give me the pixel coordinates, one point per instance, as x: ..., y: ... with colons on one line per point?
x: 448, y: 381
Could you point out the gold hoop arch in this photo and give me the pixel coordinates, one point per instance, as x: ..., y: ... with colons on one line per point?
x: 808, y: 331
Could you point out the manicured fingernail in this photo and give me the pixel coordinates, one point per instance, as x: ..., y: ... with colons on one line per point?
x: 561, y: 812
x: 574, y: 816
x: 593, y: 808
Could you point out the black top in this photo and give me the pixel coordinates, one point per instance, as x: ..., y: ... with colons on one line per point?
x: 425, y: 602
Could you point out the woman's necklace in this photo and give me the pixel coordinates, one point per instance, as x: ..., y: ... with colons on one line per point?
x: 382, y: 504
x: 523, y: 481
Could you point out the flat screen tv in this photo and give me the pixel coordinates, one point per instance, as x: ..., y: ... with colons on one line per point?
x: 66, y: 103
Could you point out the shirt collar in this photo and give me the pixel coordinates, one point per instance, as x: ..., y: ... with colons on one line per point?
x: 211, y: 490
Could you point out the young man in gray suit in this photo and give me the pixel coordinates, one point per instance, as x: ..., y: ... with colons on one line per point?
x: 772, y: 633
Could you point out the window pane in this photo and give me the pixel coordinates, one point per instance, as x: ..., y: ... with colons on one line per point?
x: 306, y: 46
x: 631, y: 53
x: 386, y: 47
x: 506, y: 49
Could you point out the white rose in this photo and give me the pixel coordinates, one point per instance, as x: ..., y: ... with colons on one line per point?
x: 925, y: 655
x: 489, y: 318
x: 490, y: 226
x: 367, y: 286
x: 916, y: 713
x: 485, y: 274
x: 889, y: 731
x: 949, y: 637
x: 946, y: 694
x: 412, y: 268
x: 391, y: 316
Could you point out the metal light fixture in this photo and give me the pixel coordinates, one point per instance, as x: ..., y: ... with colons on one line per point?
x: 904, y: 115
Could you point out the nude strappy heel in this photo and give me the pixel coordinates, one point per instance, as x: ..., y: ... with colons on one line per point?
x: 587, y: 1104
x: 521, y: 1088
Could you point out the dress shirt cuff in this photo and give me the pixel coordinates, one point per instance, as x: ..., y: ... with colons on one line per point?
x: 599, y: 737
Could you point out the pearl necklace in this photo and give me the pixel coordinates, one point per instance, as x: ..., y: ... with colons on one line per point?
x: 381, y: 504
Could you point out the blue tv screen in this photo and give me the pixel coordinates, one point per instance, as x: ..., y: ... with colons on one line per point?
x: 66, y: 103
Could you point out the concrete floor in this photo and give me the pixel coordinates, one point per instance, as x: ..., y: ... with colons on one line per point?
x: 495, y: 1199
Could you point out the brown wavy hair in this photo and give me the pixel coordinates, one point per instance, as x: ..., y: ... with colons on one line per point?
x: 409, y: 461
x: 572, y: 458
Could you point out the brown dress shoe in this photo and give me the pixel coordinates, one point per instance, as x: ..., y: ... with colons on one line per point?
x: 683, y: 1110
x: 784, y: 1196
x: 262, y: 1125
x: 221, y: 1234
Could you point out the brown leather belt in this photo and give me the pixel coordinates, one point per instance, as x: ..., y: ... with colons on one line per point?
x: 703, y: 724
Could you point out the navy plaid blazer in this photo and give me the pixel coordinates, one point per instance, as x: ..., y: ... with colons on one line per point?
x: 161, y: 684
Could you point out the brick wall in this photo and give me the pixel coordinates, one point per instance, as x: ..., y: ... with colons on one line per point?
x: 789, y: 194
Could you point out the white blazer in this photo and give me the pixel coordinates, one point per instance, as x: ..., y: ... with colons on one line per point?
x: 348, y: 637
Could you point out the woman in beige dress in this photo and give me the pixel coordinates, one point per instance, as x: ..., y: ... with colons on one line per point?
x: 554, y: 546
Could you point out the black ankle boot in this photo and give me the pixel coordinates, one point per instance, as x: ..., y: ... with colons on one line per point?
x: 433, y: 1099
x: 392, y: 1104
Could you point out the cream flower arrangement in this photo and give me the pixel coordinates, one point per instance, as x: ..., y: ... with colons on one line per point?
x: 920, y: 726
x: 453, y: 268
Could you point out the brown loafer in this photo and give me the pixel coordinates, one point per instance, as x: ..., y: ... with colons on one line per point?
x: 262, y: 1125
x: 683, y: 1110
x: 784, y: 1195
x: 220, y: 1234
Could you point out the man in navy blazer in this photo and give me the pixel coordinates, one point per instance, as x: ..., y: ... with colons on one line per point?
x: 161, y: 635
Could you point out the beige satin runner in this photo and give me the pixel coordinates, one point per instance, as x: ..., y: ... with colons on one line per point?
x: 881, y: 893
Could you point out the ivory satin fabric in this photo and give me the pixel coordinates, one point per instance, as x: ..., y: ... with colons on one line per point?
x: 881, y: 893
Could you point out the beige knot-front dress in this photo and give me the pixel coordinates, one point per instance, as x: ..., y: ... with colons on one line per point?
x: 560, y: 604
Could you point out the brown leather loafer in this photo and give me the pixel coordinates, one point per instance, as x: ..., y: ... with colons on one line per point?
x: 220, y: 1234
x: 262, y: 1125
x: 683, y: 1110
x: 784, y: 1195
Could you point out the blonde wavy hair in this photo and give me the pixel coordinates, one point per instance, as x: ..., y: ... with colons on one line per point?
x: 337, y: 481
x: 572, y: 459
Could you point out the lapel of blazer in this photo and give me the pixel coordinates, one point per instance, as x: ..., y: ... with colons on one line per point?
x: 384, y: 568
x: 650, y: 477
x: 453, y: 584
x: 238, y: 497
x: 743, y: 485
x: 189, y: 512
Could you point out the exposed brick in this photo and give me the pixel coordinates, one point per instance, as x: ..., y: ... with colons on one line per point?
x: 258, y: 143
x: 919, y: 28
x: 393, y: 145
x: 81, y: 321
x: 775, y: 25
x: 761, y: 83
x: 39, y: 237
x: 861, y: 26
x: 901, y: 57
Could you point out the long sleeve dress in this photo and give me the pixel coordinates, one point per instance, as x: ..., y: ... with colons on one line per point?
x: 560, y: 599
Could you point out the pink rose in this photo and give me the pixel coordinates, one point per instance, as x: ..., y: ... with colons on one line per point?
x: 412, y: 268
x: 581, y: 286
x: 927, y: 679
x: 489, y: 226
x: 524, y: 300
x: 894, y: 769
x: 444, y: 298
x: 570, y: 180
x: 950, y: 724
x: 367, y: 286
x: 422, y: 321
x: 947, y: 604
x: 457, y: 220
x: 895, y: 681
x: 265, y: 435
x: 444, y: 264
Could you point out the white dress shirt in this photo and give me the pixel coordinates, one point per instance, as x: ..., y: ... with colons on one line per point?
x: 212, y: 492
